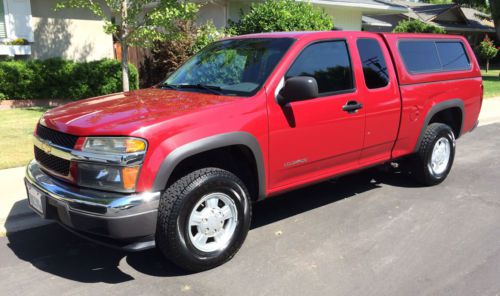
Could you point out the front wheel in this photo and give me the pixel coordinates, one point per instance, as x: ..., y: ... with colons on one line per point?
x: 434, y: 159
x: 203, y: 219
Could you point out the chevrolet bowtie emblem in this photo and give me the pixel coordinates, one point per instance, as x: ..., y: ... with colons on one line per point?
x: 46, y: 148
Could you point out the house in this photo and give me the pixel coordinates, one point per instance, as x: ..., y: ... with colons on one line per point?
x: 78, y: 35
x: 346, y: 14
x: 74, y: 34
x: 454, y: 18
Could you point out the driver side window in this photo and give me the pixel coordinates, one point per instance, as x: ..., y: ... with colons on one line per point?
x: 329, y: 63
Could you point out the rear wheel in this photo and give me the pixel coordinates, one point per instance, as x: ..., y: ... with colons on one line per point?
x: 203, y: 219
x: 434, y: 159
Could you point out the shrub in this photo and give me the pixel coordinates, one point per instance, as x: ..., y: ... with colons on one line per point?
x: 61, y: 79
x: 281, y: 15
x: 486, y: 50
x: 416, y: 26
x: 169, y: 55
x: 18, y: 41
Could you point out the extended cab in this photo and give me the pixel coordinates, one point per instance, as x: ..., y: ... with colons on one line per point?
x: 178, y: 166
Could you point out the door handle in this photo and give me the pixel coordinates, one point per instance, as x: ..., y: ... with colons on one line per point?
x: 352, y: 107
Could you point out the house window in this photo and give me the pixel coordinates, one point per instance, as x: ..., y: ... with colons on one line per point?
x: 15, y: 19
x: 329, y: 63
x: 3, y: 33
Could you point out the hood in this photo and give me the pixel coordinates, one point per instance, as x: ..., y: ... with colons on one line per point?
x: 123, y: 113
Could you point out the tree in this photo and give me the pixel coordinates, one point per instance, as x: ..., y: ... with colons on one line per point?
x: 281, y: 15
x: 495, y: 14
x: 136, y: 22
x: 438, y: 1
x: 416, y: 26
x: 478, y: 4
x: 167, y: 56
x: 487, y: 51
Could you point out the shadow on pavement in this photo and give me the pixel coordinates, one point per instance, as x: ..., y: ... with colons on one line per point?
x: 52, y: 249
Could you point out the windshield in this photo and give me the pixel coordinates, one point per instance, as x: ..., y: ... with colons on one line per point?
x: 231, y: 67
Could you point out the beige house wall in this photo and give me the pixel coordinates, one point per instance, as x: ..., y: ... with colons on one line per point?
x: 215, y: 12
x: 345, y: 18
x: 78, y: 35
x: 70, y: 33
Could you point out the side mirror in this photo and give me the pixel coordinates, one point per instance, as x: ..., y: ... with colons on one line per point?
x: 298, y: 88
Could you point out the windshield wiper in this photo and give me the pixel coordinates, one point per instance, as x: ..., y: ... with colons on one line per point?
x: 171, y: 86
x: 211, y: 88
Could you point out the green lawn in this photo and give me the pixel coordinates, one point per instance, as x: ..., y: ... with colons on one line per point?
x: 16, y: 128
x: 491, y: 82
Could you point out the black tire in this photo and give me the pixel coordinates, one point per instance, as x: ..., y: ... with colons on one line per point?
x: 421, y: 164
x: 176, y: 204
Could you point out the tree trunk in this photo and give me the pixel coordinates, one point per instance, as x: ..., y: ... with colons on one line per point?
x: 123, y: 39
x: 495, y: 13
x: 125, y: 76
x: 487, y: 65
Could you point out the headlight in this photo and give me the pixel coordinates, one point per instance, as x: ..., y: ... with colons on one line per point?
x: 105, y: 177
x: 120, y: 176
x: 114, y: 145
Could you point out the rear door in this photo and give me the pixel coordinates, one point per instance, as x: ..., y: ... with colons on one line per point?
x: 382, y: 102
x: 316, y: 138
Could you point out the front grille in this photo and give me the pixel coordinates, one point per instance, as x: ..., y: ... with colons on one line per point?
x: 58, y: 138
x: 51, y: 162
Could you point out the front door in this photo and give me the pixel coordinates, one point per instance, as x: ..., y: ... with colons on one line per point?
x: 316, y: 138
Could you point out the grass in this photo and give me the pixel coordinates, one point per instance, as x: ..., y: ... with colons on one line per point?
x: 491, y: 82
x: 16, y: 128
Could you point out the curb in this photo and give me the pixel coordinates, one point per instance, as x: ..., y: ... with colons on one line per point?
x: 47, y: 103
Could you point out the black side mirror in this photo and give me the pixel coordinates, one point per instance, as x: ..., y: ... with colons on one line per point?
x: 298, y: 88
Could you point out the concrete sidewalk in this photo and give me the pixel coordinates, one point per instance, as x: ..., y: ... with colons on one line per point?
x: 490, y: 111
x: 16, y: 216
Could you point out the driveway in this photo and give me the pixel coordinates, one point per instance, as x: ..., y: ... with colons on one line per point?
x: 372, y: 233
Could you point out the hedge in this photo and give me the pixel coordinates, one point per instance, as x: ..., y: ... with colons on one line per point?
x: 279, y: 16
x: 417, y: 26
x: 61, y: 79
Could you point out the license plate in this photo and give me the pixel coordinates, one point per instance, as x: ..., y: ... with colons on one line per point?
x: 35, y: 198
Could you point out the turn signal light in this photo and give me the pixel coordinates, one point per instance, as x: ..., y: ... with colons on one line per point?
x: 129, y: 177
x: 134, y: 145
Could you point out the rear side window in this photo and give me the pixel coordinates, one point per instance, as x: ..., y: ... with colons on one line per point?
x: 374, y: 66
x: 328, y: 62
x: 420, y: 56
x: 426, y: 56
x: 453, y: 56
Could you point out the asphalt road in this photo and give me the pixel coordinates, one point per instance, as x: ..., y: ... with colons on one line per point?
x: 372, y: 233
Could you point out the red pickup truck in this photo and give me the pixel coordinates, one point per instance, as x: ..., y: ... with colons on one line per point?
x: 178, y: 166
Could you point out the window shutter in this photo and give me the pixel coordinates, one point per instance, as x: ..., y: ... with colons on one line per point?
x: 2, y: 21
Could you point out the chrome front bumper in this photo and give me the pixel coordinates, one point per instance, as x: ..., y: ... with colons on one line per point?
x: 112, y: 215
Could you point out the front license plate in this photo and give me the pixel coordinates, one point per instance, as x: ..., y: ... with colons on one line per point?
x: 35, y: 198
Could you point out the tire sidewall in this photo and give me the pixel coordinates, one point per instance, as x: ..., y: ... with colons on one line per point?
x: 210, y: 184
x: 443, y: 132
